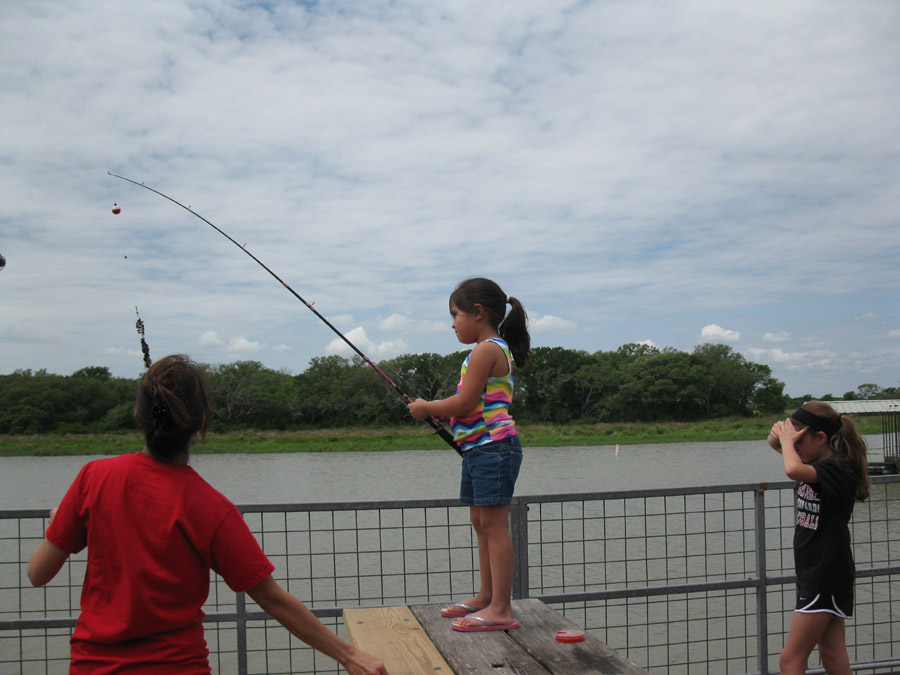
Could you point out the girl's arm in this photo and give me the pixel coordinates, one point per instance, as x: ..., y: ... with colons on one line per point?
x: 482, y: 361
x: 773, y: 439
x: 794, y: 467
x: 291, y: 613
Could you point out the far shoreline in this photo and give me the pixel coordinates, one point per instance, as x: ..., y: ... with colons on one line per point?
x: 412, y: 437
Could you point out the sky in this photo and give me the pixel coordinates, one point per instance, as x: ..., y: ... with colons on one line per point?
x: 633, y: 171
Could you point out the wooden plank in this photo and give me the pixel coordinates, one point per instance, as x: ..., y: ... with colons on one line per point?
x: 537, y: 636
x: 530, y: 649
x: 491, y: 652
x: 395, y: 636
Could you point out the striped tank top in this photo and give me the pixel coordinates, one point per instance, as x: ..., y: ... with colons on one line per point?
x: 490, y: 420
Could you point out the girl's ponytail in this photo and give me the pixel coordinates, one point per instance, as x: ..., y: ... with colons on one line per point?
x: 846, y: 443
x: 514, y: 330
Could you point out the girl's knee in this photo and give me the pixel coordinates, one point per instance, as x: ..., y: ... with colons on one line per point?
x: 834, y: 658
x: 790, y: 662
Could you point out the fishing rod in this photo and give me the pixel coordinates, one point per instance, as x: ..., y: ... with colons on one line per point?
x: 438, y: 428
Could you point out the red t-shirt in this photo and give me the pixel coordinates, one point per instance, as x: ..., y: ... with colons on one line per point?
x: 153, y: 531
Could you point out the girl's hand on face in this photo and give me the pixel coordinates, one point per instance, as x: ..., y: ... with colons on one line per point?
x: 773, y: 440
x: 788, y: 432
x: 418, y: 409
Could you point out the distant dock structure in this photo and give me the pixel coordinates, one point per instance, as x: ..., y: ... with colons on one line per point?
x: 890, y: 429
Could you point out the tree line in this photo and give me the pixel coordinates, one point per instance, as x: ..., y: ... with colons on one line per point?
x: 635, y: 383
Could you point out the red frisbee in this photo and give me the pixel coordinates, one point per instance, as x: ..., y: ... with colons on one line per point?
x: 570, y: 636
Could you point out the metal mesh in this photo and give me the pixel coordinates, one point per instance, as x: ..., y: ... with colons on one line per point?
x: 679, y: 580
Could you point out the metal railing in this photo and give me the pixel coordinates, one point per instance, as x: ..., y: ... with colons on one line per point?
x: 680, y: 580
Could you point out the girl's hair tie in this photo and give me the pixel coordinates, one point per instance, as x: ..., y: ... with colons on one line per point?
x: 810, y: 419
x: 507, y: 300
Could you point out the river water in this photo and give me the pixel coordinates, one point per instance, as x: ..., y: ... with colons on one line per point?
x: 40, y: 482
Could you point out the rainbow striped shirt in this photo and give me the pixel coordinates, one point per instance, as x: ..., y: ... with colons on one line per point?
x: 490, y: 420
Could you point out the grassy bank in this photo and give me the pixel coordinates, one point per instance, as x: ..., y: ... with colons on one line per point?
x: 407, y: 438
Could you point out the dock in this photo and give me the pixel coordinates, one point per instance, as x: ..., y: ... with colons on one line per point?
x: 416, y: 639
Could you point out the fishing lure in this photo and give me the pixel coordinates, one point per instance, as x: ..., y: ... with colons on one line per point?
x: 438, y: 428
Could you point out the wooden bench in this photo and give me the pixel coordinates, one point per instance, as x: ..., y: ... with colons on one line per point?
x: 416, y: 640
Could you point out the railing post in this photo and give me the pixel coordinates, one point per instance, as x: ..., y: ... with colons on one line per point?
x: 762, y: 604
x: 241, y: 632
x: 518, y: 526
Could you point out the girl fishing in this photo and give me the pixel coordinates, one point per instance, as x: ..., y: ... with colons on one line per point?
x: 486, y: 433
x: 153, y: 529
x: 825, y: 454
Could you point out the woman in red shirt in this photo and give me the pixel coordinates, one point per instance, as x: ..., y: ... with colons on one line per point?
x: 154, y: 529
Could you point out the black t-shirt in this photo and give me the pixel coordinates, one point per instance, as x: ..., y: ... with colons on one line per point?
x: 822, y: 555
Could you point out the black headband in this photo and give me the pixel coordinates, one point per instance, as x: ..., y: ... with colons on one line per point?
x: 809, y: 419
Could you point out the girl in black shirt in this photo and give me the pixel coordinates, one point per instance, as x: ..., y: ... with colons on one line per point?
x: 825, y: 454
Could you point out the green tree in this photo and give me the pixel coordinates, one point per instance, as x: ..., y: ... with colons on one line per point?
x: 545, y: 390
x: 246, y: 394
x: 869, y: 391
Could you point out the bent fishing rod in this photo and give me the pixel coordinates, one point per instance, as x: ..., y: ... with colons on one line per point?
x: 438, y: 428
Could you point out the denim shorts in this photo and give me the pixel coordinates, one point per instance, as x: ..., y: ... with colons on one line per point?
x: 489, y: 472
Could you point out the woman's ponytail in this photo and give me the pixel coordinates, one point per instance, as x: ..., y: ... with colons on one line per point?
x: 172, y: 406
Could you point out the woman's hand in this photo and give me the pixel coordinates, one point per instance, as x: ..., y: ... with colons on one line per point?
x: 363, y: 663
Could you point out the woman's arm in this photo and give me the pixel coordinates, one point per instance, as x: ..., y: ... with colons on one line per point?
x: 291, y: 613
x: 46, y: 560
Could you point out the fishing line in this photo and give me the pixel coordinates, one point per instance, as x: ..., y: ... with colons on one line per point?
x: 438, y: 428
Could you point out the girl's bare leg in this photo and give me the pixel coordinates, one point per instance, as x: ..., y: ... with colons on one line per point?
x: 496, y: 557
x: 806, y: 631
x: 833, y: 648
x: 483, y: 599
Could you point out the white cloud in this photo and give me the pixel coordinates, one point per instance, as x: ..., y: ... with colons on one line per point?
x: 716, y: 332
x: 239, y: 345
x: 395, y: 322
x: 210, y: 338
x: 374, y: 351
x: 866, y: 316
x: 548, y: 323
x: 434, y: 327
x: 341, y: 320
x: 793, y: 360
x: 894, y: 333
x: 242, y: 345
x: 776, y: 337
x: 776, y: 355
x: 648, y: 343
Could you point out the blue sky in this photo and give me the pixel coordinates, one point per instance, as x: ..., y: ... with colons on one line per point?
x: 672, y: 173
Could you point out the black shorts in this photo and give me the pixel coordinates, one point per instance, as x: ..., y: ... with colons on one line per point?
x: 839, y: 603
